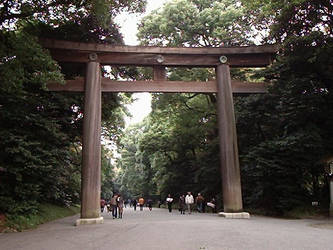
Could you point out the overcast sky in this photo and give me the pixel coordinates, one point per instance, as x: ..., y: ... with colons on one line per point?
x: 129, y: 22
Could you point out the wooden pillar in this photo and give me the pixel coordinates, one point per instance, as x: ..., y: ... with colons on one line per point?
x: 91, y: 149
x: 331, y: 198
x: 231, y: 184
x: 159, y: 73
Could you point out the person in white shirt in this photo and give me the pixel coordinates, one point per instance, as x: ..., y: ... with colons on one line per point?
x: 189, y: 200
x: 169, y: 201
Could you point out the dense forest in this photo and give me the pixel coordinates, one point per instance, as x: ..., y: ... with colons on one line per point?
x: 41, y: 131
x: 285, y: 137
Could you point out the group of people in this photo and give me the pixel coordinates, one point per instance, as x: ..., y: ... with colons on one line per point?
x: 141, y: 202
x: 115, y: 206
x: 187, y: 202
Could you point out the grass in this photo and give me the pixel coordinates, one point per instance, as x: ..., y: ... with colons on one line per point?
x: 308, y: 212
x: 47, y: 212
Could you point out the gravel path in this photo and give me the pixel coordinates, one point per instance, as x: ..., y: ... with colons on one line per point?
x: 159, y: 229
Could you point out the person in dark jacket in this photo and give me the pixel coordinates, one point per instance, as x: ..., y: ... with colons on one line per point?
x: 200, y: 200
x: 114, y: 206
x: 181, y: 204
x: 150, y: 204
x: 134, y: 203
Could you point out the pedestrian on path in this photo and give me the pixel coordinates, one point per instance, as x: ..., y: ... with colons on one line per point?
x: 150, y: 204
x: 212, y: 205
x: 169, y: 201
x: 120, y: 203
x: 200, y: 200
x: 129, y: 201
x: 189, y: 200
x: 114, y: 206
x: 141, y: 203
x: 134, y: 202
x: 181, y: 204
x: 103, y: 202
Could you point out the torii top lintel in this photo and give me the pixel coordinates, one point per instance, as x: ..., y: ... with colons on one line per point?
x: 243, y: 56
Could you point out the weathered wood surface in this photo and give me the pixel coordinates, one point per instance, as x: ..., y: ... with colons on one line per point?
x: 95, y: 47
x: 171, y: 60
x: 160, y: 86
x: 231, y: 184
x: 244, y: 56
x: 91, y: 150
x: 159, y: 73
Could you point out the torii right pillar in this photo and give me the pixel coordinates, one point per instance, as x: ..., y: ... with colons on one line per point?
x: 231, y: 182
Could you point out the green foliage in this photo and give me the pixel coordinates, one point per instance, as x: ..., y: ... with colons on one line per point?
x: 283, y: 135
x: 284, y: 19
x: 108, y: 175
x: 136, y: 173
x: 173, y: 150
x: 47, y: 212
x: 56, y: 12
x: 40, y: 131
x: 196, y: 23
x: 34, y: 140
x: 291, y: 128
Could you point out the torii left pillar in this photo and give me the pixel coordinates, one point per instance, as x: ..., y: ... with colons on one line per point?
x: 91, y: 146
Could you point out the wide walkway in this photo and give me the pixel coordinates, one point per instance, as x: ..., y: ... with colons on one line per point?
x: 160, y: 229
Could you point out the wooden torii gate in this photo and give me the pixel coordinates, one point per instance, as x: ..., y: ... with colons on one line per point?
x: 222, y: 58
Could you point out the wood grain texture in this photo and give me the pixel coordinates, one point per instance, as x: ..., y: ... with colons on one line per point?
x: 231, y: 184
x: 171, y: 60
x: 159, y: 73
x: 95, y: 47
x: 91, y: 148
x: 161, y: 86
x: 241, y: 56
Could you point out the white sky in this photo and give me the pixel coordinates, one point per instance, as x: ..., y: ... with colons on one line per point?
x: 128, y: 23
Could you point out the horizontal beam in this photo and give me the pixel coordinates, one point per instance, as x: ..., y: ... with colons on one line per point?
x: 169, y: 60
x: 108, y: 85
x: 96, y: 47
x: 241, y: 56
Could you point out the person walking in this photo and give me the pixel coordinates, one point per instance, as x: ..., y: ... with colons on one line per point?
x: 113, y: 203
x: 189, y: 200
x: 150, y: 204
x: 181, y: 204
x: 103, y: 202
x: 199, y: 201
x: 169, y: 201
x: 212, y: 204
x: 129, y: 202
x: 141, y: 203
x: 134, y: 203
x: 120, y: 204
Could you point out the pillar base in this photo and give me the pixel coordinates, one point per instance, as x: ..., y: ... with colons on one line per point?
x: 89, y: 221
x: 241, y: 215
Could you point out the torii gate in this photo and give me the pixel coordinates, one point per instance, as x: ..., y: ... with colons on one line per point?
x: 222, y: 58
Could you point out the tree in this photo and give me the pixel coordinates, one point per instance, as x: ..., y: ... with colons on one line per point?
x: 183, y: 142
x: 283, y: 135
x: 196, y: 23
x: 283, y: 162
x: 40, y: 131
x: 55, y: 12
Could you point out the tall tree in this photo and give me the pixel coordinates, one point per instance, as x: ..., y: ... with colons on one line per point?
x: 196, y: 23
x: 40, y: 131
